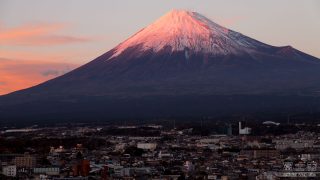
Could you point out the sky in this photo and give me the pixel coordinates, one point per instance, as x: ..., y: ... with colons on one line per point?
x: 42, y: 39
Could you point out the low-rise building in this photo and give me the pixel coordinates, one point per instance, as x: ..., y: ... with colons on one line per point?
x: 293, y: 143
x: 260, y: 153
x: 52, y: 171
x: 26, y: 161
x: 10, y: 170
x: 147, y: 146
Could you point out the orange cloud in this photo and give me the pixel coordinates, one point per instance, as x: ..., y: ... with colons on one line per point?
x: 37, y: 35
x: 16, y: 75
x: 21, y: 68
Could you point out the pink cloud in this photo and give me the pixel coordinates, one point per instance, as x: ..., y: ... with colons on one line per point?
x: 38, y: 35
x: 53, y: 40
x: 20, y: 68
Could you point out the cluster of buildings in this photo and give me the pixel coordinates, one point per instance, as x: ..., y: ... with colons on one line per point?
x: 171, y: 154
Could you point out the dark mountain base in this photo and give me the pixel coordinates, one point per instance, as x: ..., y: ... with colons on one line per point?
x: 104, y: 109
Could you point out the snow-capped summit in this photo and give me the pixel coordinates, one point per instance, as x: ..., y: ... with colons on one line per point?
x: 185, y: 30
x: 182, y: 65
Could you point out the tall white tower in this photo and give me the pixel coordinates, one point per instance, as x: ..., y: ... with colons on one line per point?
x: 244, y: 131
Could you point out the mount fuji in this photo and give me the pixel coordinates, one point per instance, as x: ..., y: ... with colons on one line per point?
x: 181, y: 65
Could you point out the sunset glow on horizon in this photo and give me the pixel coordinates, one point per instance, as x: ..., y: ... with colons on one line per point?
x: 40, y: 40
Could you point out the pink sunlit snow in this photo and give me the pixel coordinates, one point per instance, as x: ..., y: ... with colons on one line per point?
x: 185, y: 30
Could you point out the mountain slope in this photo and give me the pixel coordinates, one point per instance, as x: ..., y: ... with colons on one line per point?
x: 182, y: 56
